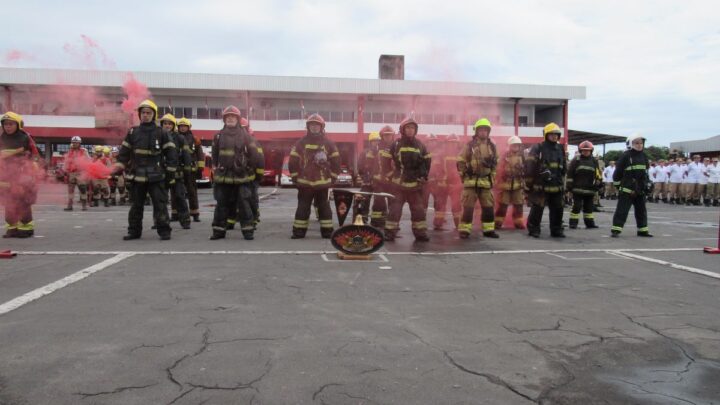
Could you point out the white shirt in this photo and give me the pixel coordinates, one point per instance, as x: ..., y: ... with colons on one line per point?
x: 694, y: 171
x: 703, y: 174
x: 675, y: 172
x: 659, y: 175
x: 714, y: 172
x: 608, y: 174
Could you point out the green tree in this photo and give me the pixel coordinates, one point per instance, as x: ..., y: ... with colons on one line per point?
x: 657, y: 152
x: 612, y: 155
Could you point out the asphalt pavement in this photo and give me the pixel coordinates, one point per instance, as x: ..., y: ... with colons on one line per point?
x: 86, y: 318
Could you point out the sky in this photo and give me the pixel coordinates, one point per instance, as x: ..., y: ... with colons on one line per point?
x: 651, y: 67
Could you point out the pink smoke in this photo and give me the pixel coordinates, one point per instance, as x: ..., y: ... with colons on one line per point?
x: 89, y: 54
x: 135, y: 92
x: 14, y: 55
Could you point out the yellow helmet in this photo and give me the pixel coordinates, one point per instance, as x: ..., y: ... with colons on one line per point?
x: 482, y: 122
x: 374, y: 136
x: 15, y: 117
x: 99, y: 149
x: 148, y: 104
x: 184, y: 121
x: 552, y: 128
x: 106, y: 150
x: 169, y: 117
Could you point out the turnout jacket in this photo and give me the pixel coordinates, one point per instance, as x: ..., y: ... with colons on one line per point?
x: 631, y: 173
x: 583, y: 175
x: 234, y: 155
x: 513, y: 169
x: 148, y: 154
x: 477, y: 163
x: 545, y: 167
x: 407, y: 163
x: 314, y: 162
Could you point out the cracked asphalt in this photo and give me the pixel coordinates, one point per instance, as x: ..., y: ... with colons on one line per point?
x: 274, y: 321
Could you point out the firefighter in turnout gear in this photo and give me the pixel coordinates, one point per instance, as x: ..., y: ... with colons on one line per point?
x: 234, y: 154
x: 380, y: 184
x: 454, y: 181
x: 512, y: 184
x: 100, y: 185
x: 257, y: 176
x: 149, y: 158
x: 314, y: 165
x: 583, y: 181
x: 117, y: 181
x: 545, y: 168
x: 75, y: 160
x: 368, y: 168
x: 178, y: 194
x: 437, y: 182
x: 477, y: 165
x: 18, y: 165
x: 197, y: 164
x: 407, y: 166
x: 633, y: 185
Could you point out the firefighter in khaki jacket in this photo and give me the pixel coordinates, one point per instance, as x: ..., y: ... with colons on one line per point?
x: 18, y: 165
x: 101, y: 185
x: 437, y: 182
x: 75, y: 158
x: 197, y: 164
x: 380, y: 184
x: 477, y: 165
x: 407, y: 165
x: 512, y: 182
x: 118, y: 181
x: 452, y: 177
x: 314, y: 165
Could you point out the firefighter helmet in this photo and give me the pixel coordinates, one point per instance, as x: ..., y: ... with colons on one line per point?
x: 114, y: 149
x: 632, y: 138
x: 184, y: 121
x: 482, y: 122
x: 99, y: 149
x: 374, y: 136
x: 231, y: 110
x: 316, y: 118
x: 387, y: 130
x: 552, y: 128
x: 406, y: 122
x: 514, y: 140
x: 106, y: 150
x: 75, y: 139
x: 586, y: 145
x: 14, y: 117
x: 148, y: 104
x: 169, y: 118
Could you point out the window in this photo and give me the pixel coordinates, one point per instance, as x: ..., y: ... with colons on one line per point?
x: 522, y: 121
x: 215, y: 113
x: 426, y: 118
x: 324, y: 114
x: 348, y: 116
x: 367, y: 116
x: 336, y: 116
x: 377, y: 117
x: 440, y: 119
x: 203, y: 113
x: 283, y: 115
x: 296, y: 114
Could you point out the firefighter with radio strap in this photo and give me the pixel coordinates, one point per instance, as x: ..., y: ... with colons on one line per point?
x: 545, y: 168
x: 477, y: 165
x: 149, y: 157
x: 234, y: 154
x: 633, y: 185
x: 314, y: 165
x: 584, y: 179
x: 197, y: 165
x: 178, y: 195
x: 512, y: 184
x: 368, y: 167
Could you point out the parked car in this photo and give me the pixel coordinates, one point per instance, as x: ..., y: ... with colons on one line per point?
x: 285, y: 180
x: 206, y: 176
x: 344, y: 178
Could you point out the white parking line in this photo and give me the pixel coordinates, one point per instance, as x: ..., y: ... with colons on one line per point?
x: 584, y: 258
x: 63, y: 282
x: 665, y: 263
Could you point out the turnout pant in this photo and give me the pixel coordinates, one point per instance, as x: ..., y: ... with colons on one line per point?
x: 306, y: 196
x: 379, y: 211
x: 439, y: 195
x: 538, y: 202
x: 414, y: 198
x: 625, y: 201
x: 226, y: 196
x: 158, y: 196
x: 75, y: 179
x: 100, y: 189
x: 514, y: 198
x: 192, y: 194
x: 361, y: 204
x: 178, y: 201
x: 584, y: 202
x: 487, y: 205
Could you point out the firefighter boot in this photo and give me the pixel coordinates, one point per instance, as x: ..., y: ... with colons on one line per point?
x: 573, y: 223
x: 84, y: 205
x: 196, y: 217
x: 69, y: 206
x: 106, y: 202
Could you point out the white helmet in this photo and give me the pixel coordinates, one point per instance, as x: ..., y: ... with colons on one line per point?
x: 115, y: 149
x: 634, y: 137
x: 514, y: 140
x: 75, y: 139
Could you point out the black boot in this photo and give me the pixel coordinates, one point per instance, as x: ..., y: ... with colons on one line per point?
x: 185, y: 225
x: 590, y: 224
x: 217, y: 235
x: 707, y: 203
x: 716, y: 203
x: 248, y: 235
x: 491, y: 234
x: 645, y: 234
x: 326, y: 233
x: 84, y: 205
x: 557, y: 234
x: 196, y: 217
x: 131, y: 236
x: 106, y: 202
x: 95, y: 203
x: 614, y: 234
x: 69, y: 206
x: 174, y: 217
x: 165, y: 236
x: 10, y: 233
x: 573, y: 223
